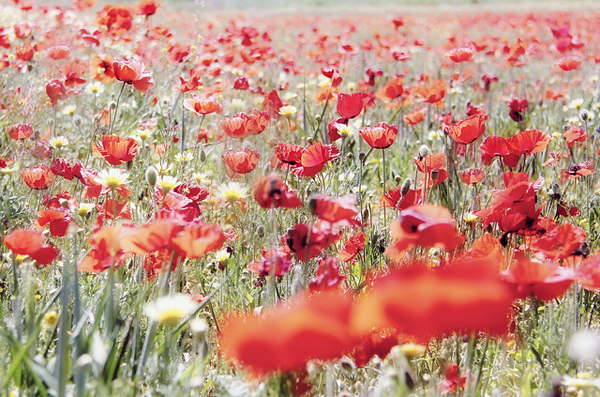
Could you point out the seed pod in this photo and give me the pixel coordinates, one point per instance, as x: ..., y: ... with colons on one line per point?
x: 77, y: 120
x: 584, y: 115
x: 151, y: 176
x: 424, y: 151
x: 406, y: 187
x: 260, y: 230
x: 112, y: 105
x: 434, y: 174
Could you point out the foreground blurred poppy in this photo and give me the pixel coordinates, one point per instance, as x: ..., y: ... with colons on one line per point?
x: 286, y: 337
x: 468, y: 130
x: 271, y: 192
x: 465, y: 297
x: 559, y: 243
x: 241, y: 161
x: 425, y: 225
x: 39, y: 177
x: 32, y: 243
x: 588, y: 273
x: 116, y: 150
x: 380, y: 136
x: 547, y: 281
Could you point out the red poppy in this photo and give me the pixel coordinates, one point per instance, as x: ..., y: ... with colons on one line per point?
x: 574, y: 134
x: 327, y: 275
x: 578, y: 170
x: 452, y: 381
x: 333, y: 128
x: 150, y: 237
x: 39, y: 177
x: 20, y: 131
x: 192, y: 191
x: 116, y: 150
x: 494, y: 146
x: 391, y: 90
x: 434, y: 93
x: 352, y: 247
x: 307, y: 246
x: 197, y: 239
x: 350, y: 106
x: 468, y: 130
x: 202, y: 106
x: 395, y: 199
x: 101, y: 68
x: 471, y: 176
x: 425, y: 225
x: 430, y: 165
x: 73, y: 72
x: 335, y: 210
x: 287, y: 337
x: 272, y: 103
x: 271, y: 192
x: 572, y: 62
x: 106, y: 251
x: 57, y: 220
x: 56, y: 89
x: 132, y: 72
x: 528, y: 142
x: 462, y: 54
x: 242, y: 124
x: 314, y: 158
x: 517, y: 108
x: 466, y: 296
x: 559, y: 243
x: 380, y: 136
x: 588, y: 273
x: 547, y: 281
x: 194, y: 82
x: 289, y: 154
x: 280, y: 257
x: 416, y: 116
x: 147, y: 7
x: 58, y: 52
x: 486, y: 247
x: 30, y: 242
x: 242, y: 160
x: 373, y: 344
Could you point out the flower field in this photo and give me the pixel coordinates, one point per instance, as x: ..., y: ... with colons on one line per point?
x: 377, y: 204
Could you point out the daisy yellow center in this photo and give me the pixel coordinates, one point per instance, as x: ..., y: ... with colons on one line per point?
x: 170, y: 317
x: 287, y: 111
x: 59, y: 142
x: 232, y: 195
x: 344, y: 131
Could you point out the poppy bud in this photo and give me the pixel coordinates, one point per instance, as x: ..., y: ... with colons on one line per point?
x: 365, y: 215
x: 584, y: 115
x: 309, y: 141
x: 112, y: 105
x: 423, y: 152
x: 381, y: 245
x: 202, y: 156
x: 312, y: 205
x: 318, y: 117
x: 151, y: 176
x: 362, y: 156
x: 77, y: 120
x: 434, y: 174
x: 350, y: 156
x: 555, y: 192
x: 406, y: 187
x: 397, y: 178
x: 129, y: 165
x: 260, y: 230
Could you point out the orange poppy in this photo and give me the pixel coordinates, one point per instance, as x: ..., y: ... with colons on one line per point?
x: 380, y: 136
x: 197, y: 239
x: 465, y: 297
x: 20, y: 131
x: 351, y: 105
x: 288, y: 336
x: 425, y: 225
x: 132, y: 72
x: 116, y: 150
x: 242, y: 124
x: 58, y: 52
x: 39, y: 177
x: 30, y: 242
x: 335, y: 210
x: 352, y: 247
x: 433, y: 162
x: 391, y: 90
x: 416, y: 116
x: 241, y: 161
x: 202, y: 106
x: 572, y: 62
x: 574, y: 134
x: 57, y: 220
x: 576, y: 171
x: 528, y: 142
x: 101, y: 68
x: 468, y: 130
x: 434, y: 93
x: 271, y: 192
x: 314, y: 158
x: 547, y: 281
x: 106, y: 251
x: 471, y: 176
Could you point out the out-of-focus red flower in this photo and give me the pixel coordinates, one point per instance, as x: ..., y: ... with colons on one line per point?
x: 572, y: 62
x: 528, y: 142
x: 20, y: 131
x: 241, y: 161
x: 289, y: 154
x: 31, y: 242
x: 197, y: 239
x: 106, y: 251
x: 132, y: 72
x: 101, y: 68
x: 39, y: 177
x: 373, y: 344
x: 242, y: 124
x: 306, y: 247
x: 547, y: 281
x: 559, y: 243
x: 464, y: 297
x: 241, y: 83
x: 314, y: 158
x: 416, y: 116
x: 284, y: 339
x: 391, y: 90
x: 201, y: 106
x: 272, y: 103
x: 278, y: 257
x: 335, y: 210
x: 333, y: 74
x: 116, y: 150
x: 451, y: 383
x: 147, y: 7
x: 431, y: 164
x: 517, y: 108
x: 73, y: 72
x: 192, y: 83
x: 351, y: 105
x: 471, y: 176
x: 425, y: 225
x: 461, y: 54
x: 576, y: 171
x: 380, y: 136
x: 58, y: 52
x: 434, y: 93
x: 57, y: 220
x: 56, y: 90
x: 588, y: 273
x: 117, y: 18
x: 468, y: 130
x: 272, y: 192
x: 327, y: 275
x: 25, y: 52
x: 395, y: 199
x: 22, y: 29
x: 352, y: 247
x: 574, y: 134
